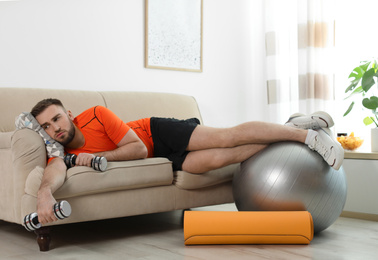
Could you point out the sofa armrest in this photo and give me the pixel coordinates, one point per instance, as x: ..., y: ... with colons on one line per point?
x: 28, y: 152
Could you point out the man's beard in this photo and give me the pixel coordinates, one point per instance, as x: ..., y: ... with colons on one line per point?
x: 70, y: 135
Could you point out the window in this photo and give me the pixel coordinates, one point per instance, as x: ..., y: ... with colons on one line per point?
x: 355, y: 41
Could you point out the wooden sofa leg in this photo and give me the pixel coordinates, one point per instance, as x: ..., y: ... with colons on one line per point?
x: 43, y: 238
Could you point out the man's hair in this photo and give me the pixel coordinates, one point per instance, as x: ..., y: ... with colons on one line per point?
x: 43, y: 104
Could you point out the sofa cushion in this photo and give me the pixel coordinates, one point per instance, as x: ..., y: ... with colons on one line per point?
x: 190, y: 181
x: 5, y: 140
x: 33, y: 181
x: 125, y: 175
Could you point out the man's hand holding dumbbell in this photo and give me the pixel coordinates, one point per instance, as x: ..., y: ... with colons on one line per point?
x: 85, y: 159
x: 60, y: 210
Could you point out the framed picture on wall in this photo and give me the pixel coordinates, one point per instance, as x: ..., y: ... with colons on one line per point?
x: 173, y: 34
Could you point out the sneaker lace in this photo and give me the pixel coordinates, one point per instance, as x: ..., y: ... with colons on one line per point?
x: 309, y: 125
x: 320, y: 148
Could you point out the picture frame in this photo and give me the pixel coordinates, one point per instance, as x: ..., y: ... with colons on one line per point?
x: 173, y: 34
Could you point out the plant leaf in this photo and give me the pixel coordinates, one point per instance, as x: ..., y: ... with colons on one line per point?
x: 368, y: 120
x: 368, y: 79
x: 365, y: 65
x: 356, y: 91
x: 370, y: 103
x: 357, y: 73
x: 352, y: 85
x: 349, y: 109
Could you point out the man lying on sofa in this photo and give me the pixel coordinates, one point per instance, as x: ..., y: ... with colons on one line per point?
x: 191, y: 147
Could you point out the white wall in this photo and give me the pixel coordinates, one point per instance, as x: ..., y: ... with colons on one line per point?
x: 99, y: 45
x: 362, y: 182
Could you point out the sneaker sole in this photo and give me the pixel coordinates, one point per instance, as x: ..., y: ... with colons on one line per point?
x: 323, y: 116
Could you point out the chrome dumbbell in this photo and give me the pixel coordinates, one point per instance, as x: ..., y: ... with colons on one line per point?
x: 61, y: 210
x: 98, y: 163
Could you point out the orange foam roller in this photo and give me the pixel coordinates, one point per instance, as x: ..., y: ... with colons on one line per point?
x: 244, y: 227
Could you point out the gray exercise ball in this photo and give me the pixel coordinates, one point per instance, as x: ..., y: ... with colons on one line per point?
x: 288, y: 176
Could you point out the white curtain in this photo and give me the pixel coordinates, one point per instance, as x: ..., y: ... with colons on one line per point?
x: 299, y: 37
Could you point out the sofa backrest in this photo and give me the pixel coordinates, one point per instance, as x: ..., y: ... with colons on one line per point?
x: 131, y: 106
x: 128, y: 106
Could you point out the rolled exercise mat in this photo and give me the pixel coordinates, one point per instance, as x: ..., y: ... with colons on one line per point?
x: 245, y: 227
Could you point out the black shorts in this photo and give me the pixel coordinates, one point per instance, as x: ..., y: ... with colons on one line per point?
x: 171, y: 138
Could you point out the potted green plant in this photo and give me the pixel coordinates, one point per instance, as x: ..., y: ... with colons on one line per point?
x: 363, y: 78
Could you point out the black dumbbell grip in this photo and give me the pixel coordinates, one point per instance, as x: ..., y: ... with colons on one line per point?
x: 31, y: 222
x: 72, y: 159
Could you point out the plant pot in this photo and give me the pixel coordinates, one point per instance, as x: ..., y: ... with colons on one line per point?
x: 374, y: 139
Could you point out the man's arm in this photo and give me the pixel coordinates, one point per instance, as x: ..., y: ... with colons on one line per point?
x: 53, y: 177
x: 129, y: 148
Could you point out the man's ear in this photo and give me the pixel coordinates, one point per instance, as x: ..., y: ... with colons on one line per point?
x: 70, y: 115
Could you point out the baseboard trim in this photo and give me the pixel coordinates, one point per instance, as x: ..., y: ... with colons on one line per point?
x: 359, y: 215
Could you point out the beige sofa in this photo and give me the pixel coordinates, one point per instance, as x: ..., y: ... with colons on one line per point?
x: 125, y: 188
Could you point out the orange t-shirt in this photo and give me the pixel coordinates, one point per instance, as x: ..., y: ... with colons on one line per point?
x: 142, y: 128
x: 103, y: 130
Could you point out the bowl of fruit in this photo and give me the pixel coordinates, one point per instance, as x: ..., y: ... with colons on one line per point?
x: 350, y: 142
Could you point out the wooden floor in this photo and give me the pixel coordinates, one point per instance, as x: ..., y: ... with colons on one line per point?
x: 160, y: 236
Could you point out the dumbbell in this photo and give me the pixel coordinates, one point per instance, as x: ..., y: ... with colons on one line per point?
x: 98, y: 163
x: 61, y: 210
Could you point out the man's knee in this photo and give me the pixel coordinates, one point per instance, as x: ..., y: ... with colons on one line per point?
x: 221, y: 158
x: 206, y: 160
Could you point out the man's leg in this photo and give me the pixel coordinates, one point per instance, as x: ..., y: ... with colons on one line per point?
x: 210, y: 159
x: 212, y: 148
x: 204, y: 137
x: 266, y: 133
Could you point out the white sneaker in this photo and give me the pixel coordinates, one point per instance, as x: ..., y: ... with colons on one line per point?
x: 314, y: 121
x: 330, y: 150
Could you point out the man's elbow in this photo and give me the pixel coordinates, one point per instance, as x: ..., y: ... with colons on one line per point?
x: 143, y: 152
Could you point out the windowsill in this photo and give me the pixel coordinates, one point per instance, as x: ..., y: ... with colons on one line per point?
x: 361, y: 154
